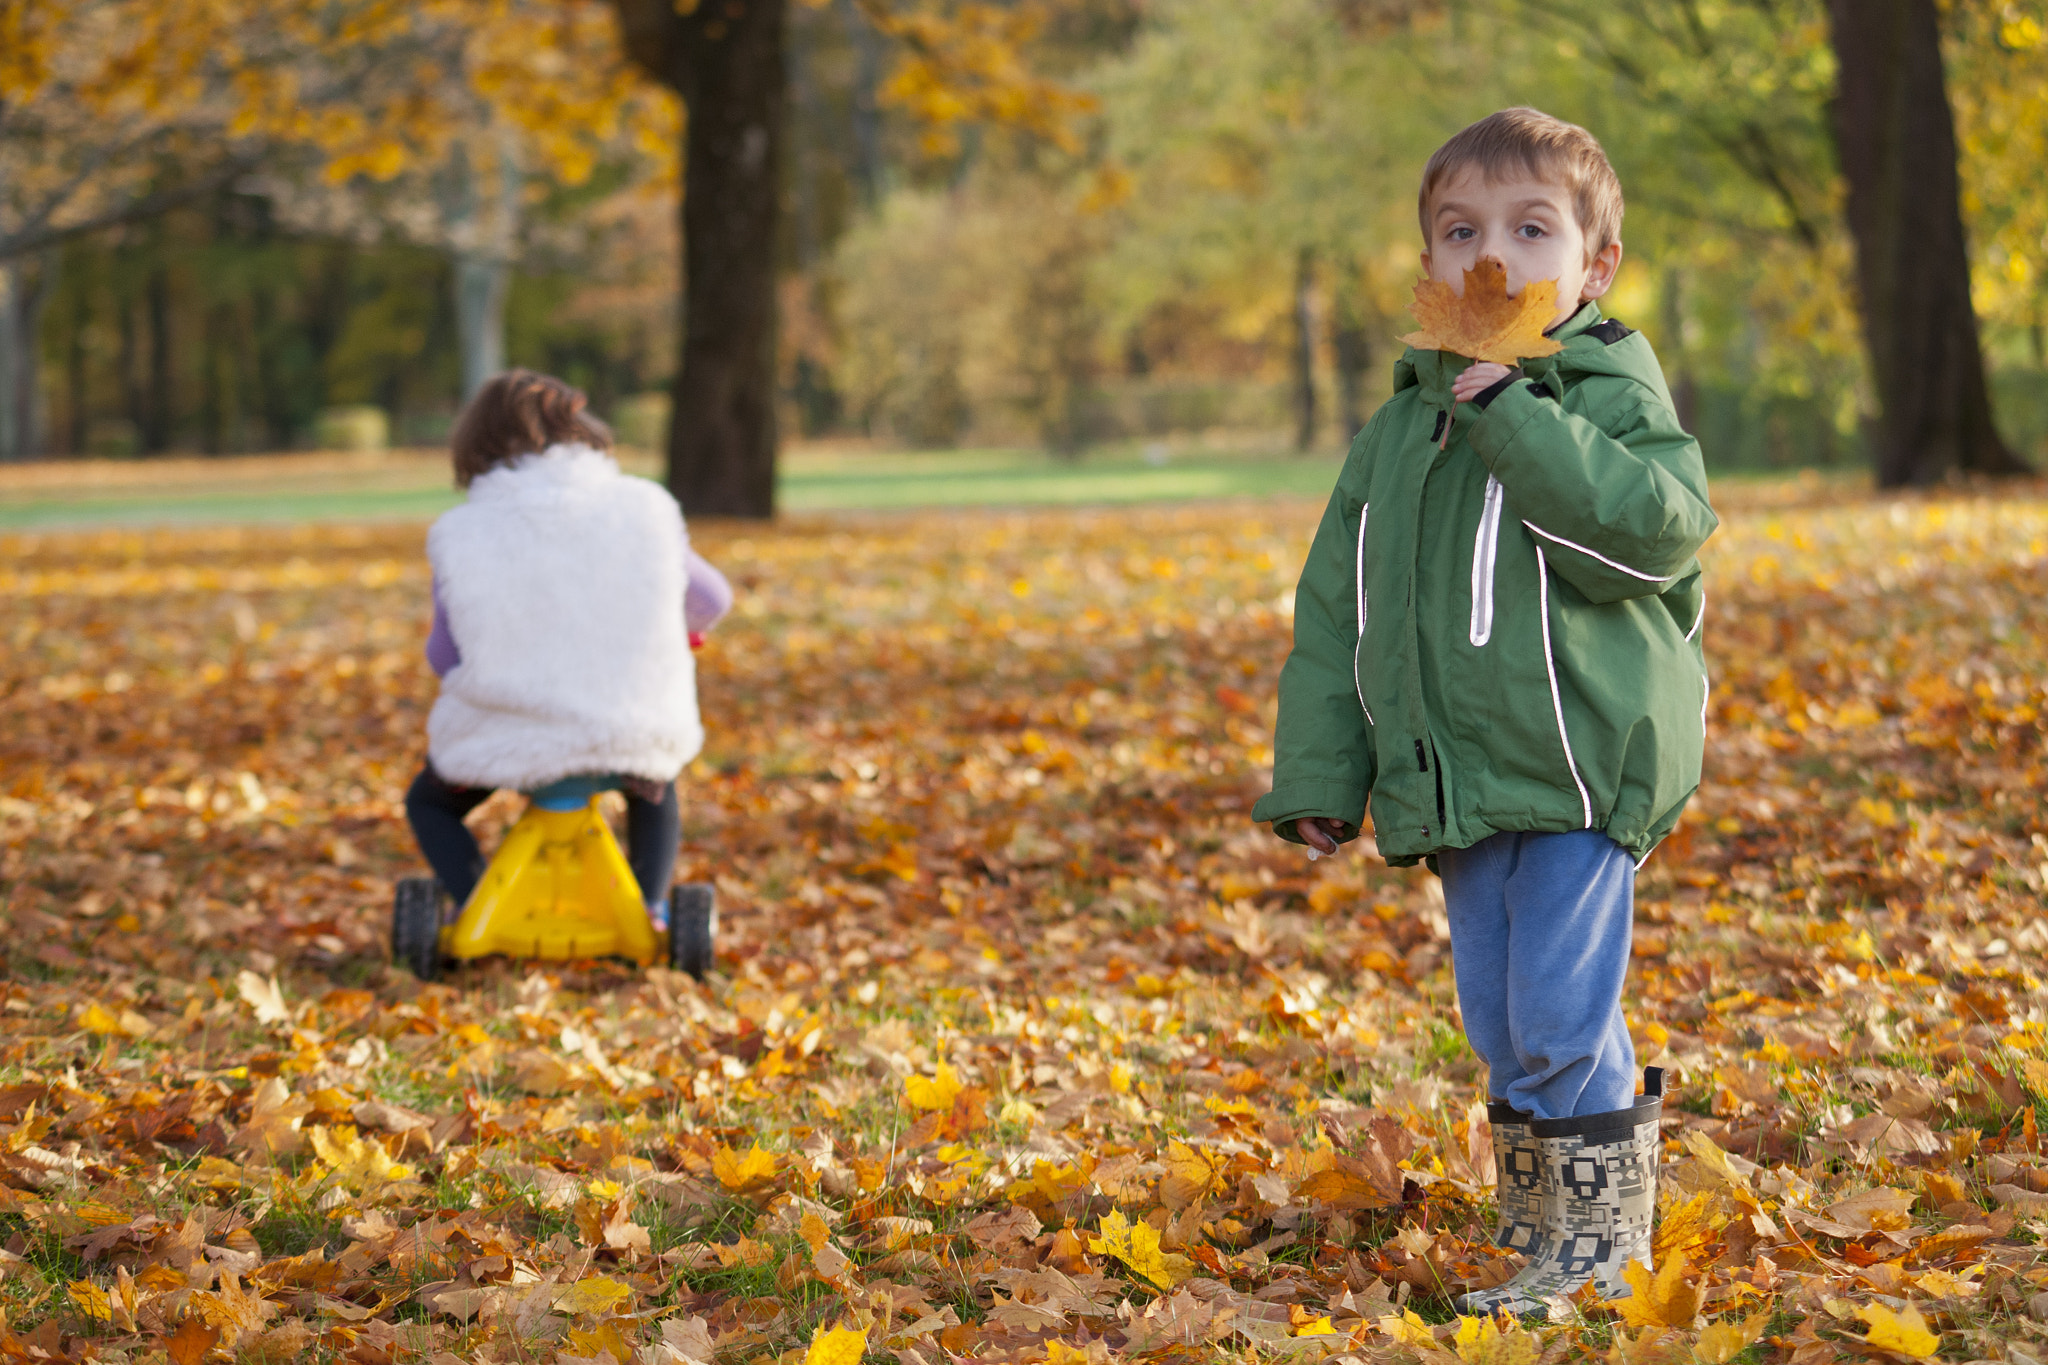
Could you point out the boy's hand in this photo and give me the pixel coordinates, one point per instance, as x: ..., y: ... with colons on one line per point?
x: 1319, y: 833
x: 1477, y: 380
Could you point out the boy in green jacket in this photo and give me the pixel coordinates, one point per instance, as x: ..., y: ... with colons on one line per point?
x: 1497, y: 641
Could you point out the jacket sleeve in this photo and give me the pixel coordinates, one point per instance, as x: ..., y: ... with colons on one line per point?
x: 1619, y: 509
x: 1322, y: 753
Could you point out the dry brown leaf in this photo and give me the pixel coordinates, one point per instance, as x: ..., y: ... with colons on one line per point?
x: 1481, y: 321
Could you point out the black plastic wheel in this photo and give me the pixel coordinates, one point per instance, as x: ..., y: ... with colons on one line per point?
x: 692, y: 927
x: 416, y: 927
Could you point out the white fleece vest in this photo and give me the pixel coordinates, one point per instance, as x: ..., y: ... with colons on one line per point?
x: 563, y: 582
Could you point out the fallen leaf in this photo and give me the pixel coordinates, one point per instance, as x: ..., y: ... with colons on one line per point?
x: 1904, y: 1331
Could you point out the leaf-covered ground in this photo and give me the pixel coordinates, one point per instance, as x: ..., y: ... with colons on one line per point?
x: 1024, y: 1044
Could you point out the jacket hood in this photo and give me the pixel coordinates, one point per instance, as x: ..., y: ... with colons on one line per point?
x: 1584, y: 353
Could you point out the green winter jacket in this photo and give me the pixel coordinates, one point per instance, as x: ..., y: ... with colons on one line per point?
x: 1504, y: 633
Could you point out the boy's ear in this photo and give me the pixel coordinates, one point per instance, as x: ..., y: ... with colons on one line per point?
x: 1425, y: 262
x: 1600, y: 271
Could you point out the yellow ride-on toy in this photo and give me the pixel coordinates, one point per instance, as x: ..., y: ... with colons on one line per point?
x: 558, y: 887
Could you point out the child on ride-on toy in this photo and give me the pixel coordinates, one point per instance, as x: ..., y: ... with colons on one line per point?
x: 566, y: 602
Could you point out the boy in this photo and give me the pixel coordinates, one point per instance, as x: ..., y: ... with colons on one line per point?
x: 1497, y: 640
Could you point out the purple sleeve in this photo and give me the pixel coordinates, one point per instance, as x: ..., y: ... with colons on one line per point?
x: 708, y: 596
x: 442, y: 652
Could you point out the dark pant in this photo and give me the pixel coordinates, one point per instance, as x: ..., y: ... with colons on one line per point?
x: 435, y: 809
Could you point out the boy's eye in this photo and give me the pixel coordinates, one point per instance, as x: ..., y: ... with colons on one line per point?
x: 1460, y: 234
x: 1530, y: 230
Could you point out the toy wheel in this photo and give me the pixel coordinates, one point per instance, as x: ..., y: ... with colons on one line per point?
x: 692, y: 927
x: 416, y: 927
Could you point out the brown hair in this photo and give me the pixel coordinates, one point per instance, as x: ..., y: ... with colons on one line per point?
x: 521, y: 413
x: 1546, y: 149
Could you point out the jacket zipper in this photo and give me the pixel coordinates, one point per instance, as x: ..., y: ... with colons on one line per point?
x: 1363, y: 508
x: 1485, y: 551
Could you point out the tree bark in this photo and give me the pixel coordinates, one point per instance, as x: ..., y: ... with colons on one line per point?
x: 24, y: 289
x: 726, y: 61
x: 1351, y: 349
x: 1304, y: 349
x: 1895, y: 135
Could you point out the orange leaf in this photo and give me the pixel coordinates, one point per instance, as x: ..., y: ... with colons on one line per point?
x: 1484, y: 322
x: 190, y: 1343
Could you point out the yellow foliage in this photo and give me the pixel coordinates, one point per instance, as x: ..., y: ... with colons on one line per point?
x: 839, y: 1346
x: 1482, y: 1341
x: 1904, y: 1331
x: 1663, y: 1301
x: 600, y: 1294
x: 937, y: 1091
x: 1721, y: 1342
x: 360, y: 1163
x: 739, y: 1170
x: 1137, y: 1246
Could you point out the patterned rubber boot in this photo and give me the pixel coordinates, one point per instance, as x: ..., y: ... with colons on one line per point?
x: 1599, y: 1191
x: 1518, y: 1176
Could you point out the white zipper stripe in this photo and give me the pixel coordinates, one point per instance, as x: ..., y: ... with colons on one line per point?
x: 1595, y: 554
x: 1706, y: 691
x: 1485, y: 550
x: 1362, y: 509
x: 1699, y: 620
x: 1550, y: 667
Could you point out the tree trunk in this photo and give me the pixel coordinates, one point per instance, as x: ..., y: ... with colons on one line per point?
x: 1351, y: 348
x: 483, y: 229
x: 24, y: 289
x: 158, y: 419
x: 1304, y: 349
x: 726, y: 61
x: 482, y: 281
x: 1896, y: 138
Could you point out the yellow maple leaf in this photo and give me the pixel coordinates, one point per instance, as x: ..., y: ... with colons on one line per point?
x: 604, y: 1339
x: 937, y: 1091
x: 1190, y: 1175
x: 598, y: 1294
x: 93, y: 1019
x: 1408, y: 1329
x: 1316, y: 1327
x: 358, y: 1162
x: 1137, y: 1246
x: 1721, y: 1342
x: 91, y: 1300
x: 839, y: 1346
x: 1663, y: 1301
x: 1480, y: 1341
x: 1484, y: 322
x: 738, y: 1170
x: 1904, y: 1332
x: 1685, y: 1227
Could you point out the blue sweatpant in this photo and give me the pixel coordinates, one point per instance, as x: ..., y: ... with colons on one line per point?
x: 1540, y: 929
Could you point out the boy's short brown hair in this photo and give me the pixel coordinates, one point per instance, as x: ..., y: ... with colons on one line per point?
x: 521, y: 413
x: 1546, y: 149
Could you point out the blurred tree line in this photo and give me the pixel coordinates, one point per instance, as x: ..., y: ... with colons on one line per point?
x: 1093, y: 220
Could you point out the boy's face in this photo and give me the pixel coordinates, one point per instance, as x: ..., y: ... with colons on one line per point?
x: 1526, y: 225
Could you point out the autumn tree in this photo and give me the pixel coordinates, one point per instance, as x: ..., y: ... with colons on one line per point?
x: 1896, y: 135
x: 728, y: 62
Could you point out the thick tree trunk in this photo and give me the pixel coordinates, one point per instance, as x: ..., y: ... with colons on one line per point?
x: 726, y: 61
x: 1896, y: 138
x: 1304, y: 349
x: 24, y: 289
x: 1351, y: 350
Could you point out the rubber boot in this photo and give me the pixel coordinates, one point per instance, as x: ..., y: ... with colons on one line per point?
x: 1518, y: 1178
x: 1598, y: 1191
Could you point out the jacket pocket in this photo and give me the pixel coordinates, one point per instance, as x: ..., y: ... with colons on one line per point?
x: 1485, y: 552
x: 1357, y: 681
